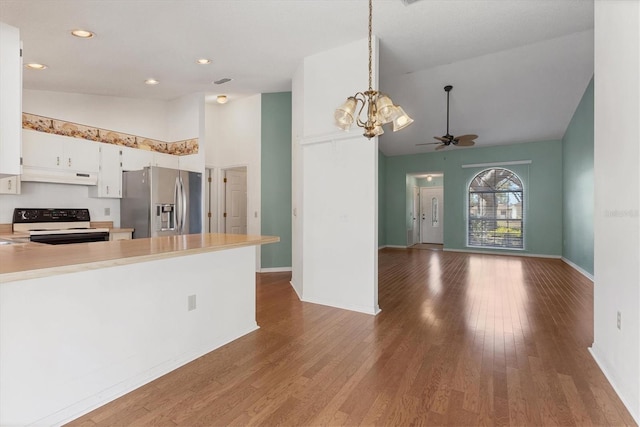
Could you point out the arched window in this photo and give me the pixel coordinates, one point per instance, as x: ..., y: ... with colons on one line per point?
x: 496, y: 210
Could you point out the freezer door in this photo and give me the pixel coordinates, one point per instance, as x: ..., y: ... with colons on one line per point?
x: 164, y: 192
x: 191, y: 214
x: 135, y: 208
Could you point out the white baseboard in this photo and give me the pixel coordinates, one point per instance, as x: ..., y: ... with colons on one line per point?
x: 295, y: 290
x: 393, y: 246
x: 526, y: 254
x: 360, y: 309
x: 275, y: 270
x: 87, y: 405
x: 593, y: 350
x: 579, y: 269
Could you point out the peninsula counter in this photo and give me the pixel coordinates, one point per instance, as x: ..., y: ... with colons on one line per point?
x: 83, y: 324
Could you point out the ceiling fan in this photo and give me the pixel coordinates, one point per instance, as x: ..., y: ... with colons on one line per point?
x: 448, y: 139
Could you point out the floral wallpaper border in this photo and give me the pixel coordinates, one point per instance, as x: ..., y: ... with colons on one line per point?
x: 92, y: 133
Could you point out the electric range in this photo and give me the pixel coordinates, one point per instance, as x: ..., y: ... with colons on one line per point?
x: 57, y: 226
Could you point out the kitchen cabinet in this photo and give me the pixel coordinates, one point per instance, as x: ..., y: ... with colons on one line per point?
x: 49, y: 152
x: 110, y: 175
x: 10, y: 101
x: 191, y: 162
x: 164, y: 160
x: 134, y: 159
x: 10, y: 185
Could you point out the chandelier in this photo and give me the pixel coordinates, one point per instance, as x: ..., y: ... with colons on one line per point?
x: 380, y: 108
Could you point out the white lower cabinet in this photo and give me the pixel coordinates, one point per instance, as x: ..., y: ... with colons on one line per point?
x: 10, y: 185
x: 110, y: 175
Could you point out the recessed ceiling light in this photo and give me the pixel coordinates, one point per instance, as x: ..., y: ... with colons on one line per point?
x: 151, y: 82
x: 203, y: 61
x: 35, y: 66
x: 83, y: 34
x: 222, y: 99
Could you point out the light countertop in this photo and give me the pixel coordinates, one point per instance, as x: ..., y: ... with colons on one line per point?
x: 28, y: 261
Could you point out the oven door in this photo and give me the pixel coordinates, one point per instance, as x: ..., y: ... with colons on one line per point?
x: 66, y: 238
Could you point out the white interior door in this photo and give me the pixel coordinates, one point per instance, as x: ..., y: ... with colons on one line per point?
x: 415, y: 214
x: 431, y: 214
x: 235, y: 212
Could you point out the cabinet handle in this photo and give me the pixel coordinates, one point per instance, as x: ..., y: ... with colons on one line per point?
x: 9, y: 185
x: 69, y: 161
x: 107, y: 189
x: 58, y: 161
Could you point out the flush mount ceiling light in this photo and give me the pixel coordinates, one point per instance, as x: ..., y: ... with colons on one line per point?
x: 380, y: 109
x: 222, y: 99
x: 151, y: 82
x: 83, y: 34
x: 203, y: 61
x: 35, y: 66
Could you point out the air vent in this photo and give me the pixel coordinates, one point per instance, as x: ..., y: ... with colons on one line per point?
x: 222, y: 81
x: 408, y: 2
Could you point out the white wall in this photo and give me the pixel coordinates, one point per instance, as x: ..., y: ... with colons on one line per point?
x: 617, y: 197
x: 143, y: 117
x: 297, y: 115
x: 233, y: 138
x: 339, y: 194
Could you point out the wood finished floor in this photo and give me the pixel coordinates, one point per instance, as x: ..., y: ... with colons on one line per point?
x: 462, y: 340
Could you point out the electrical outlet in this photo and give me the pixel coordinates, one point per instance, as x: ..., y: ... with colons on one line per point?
x: 191, y: 302
x: 107, y: 211
x: 619, y: 320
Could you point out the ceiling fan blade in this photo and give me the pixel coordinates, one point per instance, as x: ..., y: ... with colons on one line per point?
x: 440, y: 147
x: 465, y: 143
x: 466, y: 137
x: 439, y: 138
x: 428, y: 143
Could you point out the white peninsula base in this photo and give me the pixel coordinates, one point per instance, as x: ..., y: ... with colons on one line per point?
x: 73, y: 342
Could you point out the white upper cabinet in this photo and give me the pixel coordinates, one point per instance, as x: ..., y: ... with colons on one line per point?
x: 134, y: 159
x: 55, y: 158
x: 164, y: 160
x: 110, y: 175
x: 10, y: 100
x: 191, y: 162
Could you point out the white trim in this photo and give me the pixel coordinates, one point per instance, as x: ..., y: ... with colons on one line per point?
x: 471, y: 251
x: 374, y: 311
x: 579, y: 269
x: 295, y: 290
x: 488, y: 165
x: 393, y: 247
x: 87, y: 405
x: 329, y: 137
x: 275, y: 269
x: 593, y: 350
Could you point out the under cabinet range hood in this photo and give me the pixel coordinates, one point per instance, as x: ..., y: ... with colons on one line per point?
x: 58, y: 176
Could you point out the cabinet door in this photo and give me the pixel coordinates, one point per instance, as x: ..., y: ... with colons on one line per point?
x: 191, y: 162
x: 134, y: 159
x: 11, y: 100
x: 81, y: 155
x: 42, y: 150
x: 166, y: 160
x: 110, y: 175
x: 10, y: 185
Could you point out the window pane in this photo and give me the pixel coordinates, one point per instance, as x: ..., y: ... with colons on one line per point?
x: 495, y: 209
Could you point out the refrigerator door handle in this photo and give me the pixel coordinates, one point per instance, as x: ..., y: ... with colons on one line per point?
x: 176, y: 203
x: 183, y: 208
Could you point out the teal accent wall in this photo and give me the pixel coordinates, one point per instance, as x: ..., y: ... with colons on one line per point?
x: 276, y: 178
x: 542, y: 180
x: 577, y: 183
x: 382, y: 168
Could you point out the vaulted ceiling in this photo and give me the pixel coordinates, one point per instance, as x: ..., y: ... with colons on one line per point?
x: 518, y: 68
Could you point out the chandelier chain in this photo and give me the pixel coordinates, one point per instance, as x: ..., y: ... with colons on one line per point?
x: 370, y: 51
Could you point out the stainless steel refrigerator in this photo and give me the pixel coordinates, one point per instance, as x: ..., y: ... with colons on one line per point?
x: 161, y: 202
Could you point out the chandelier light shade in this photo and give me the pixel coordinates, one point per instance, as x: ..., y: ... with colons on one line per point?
x: 380, y: 109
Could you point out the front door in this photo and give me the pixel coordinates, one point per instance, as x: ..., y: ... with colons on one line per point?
x: 431, y: 215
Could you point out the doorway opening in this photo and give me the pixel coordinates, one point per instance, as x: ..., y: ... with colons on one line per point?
x: 425, y: 205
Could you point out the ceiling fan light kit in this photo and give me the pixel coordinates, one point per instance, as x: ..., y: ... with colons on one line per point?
x: 448, y: 139
x: 380, y: 108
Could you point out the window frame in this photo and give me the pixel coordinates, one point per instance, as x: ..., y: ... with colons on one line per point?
x: 525, y: 207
